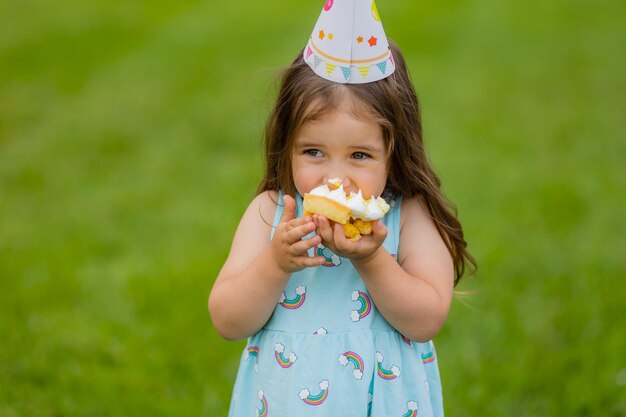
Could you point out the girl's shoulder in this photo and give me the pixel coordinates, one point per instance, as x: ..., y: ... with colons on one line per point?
x: 417, y: 227
x: 422, y: 250
x: 413, y: 209
x: 267, y: 201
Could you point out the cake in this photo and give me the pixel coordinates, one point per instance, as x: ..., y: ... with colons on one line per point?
x: 355, y: 213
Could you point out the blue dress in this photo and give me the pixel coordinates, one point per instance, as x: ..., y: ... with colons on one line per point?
x: 327, y: 351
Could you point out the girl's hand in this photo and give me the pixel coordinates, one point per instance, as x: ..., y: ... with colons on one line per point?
x: 288, y: 247
x: 333, y: 237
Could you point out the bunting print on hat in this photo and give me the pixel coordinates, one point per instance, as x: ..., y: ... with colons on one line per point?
x: 350, y: 41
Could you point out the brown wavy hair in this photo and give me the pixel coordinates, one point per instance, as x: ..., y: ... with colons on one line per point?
x: 393, y: 103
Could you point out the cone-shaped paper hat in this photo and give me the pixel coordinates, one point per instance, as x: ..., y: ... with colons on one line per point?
x: 348, y: 44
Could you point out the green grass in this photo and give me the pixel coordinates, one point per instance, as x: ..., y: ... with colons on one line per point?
x: 120, y: 122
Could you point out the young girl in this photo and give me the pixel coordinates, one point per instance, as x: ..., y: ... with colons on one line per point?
x: 336, y: 327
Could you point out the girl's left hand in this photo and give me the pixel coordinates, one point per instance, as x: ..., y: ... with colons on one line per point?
x: 333, y: 237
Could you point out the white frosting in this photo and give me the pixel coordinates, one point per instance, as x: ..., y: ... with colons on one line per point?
x: 338, y: 195
x: 335, y: 181
x: 376, y: 208
x: 358, y: 205
x: 360, y: 208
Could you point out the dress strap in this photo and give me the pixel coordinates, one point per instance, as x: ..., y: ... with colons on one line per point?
x: 279, y: 213
x: 392, y: 221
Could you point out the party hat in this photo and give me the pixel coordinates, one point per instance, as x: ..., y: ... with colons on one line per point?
x: 348, y: 43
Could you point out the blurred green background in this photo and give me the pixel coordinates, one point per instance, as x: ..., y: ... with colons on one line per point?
x: 130, y: 144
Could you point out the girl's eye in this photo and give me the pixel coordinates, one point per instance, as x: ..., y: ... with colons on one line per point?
x: 359, y: 155
x: 313, y: 152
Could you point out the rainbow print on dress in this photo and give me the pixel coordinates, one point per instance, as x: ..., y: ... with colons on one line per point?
x: 253, y: 352
x: 330, y: 259
x: 366, y: 305
x: 295, y: 302
x: 284, y: 362
x: 354, y: 359
x: 412, y: 406
x: 317, y: 399
x: 387, y: 374
x: 262, y: 412
x: 428, y: 357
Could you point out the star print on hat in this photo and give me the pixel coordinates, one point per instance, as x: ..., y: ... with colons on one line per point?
x: 348, y: 43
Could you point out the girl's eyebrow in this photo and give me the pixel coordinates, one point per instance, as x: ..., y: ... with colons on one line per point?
x: 308, y: 145
x: 367, y: 148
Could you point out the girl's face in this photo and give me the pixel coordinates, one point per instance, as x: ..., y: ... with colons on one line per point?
x: 341, y: 145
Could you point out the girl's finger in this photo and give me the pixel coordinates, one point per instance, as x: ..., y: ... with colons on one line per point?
x: 311, y: 261
x: 324, y: 229
x: 302, y: 247
x: 297, y: 233
x: 379, y: 229
x: 340, y: 239
x: 289, y: 209
x: 338, y: 233
x: 299, y: 221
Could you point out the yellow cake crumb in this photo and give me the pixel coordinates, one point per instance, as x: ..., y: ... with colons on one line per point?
x: 364, y: 226
x: 351, y: 232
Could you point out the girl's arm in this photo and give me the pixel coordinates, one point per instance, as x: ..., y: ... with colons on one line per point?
x: 413, y: 293
x: 257, y: 269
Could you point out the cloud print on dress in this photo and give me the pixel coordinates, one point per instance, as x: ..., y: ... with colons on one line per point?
x: 412, y: 406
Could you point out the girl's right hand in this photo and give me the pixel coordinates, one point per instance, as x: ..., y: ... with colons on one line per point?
x: 289, y: 248
x: 333, y: 237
